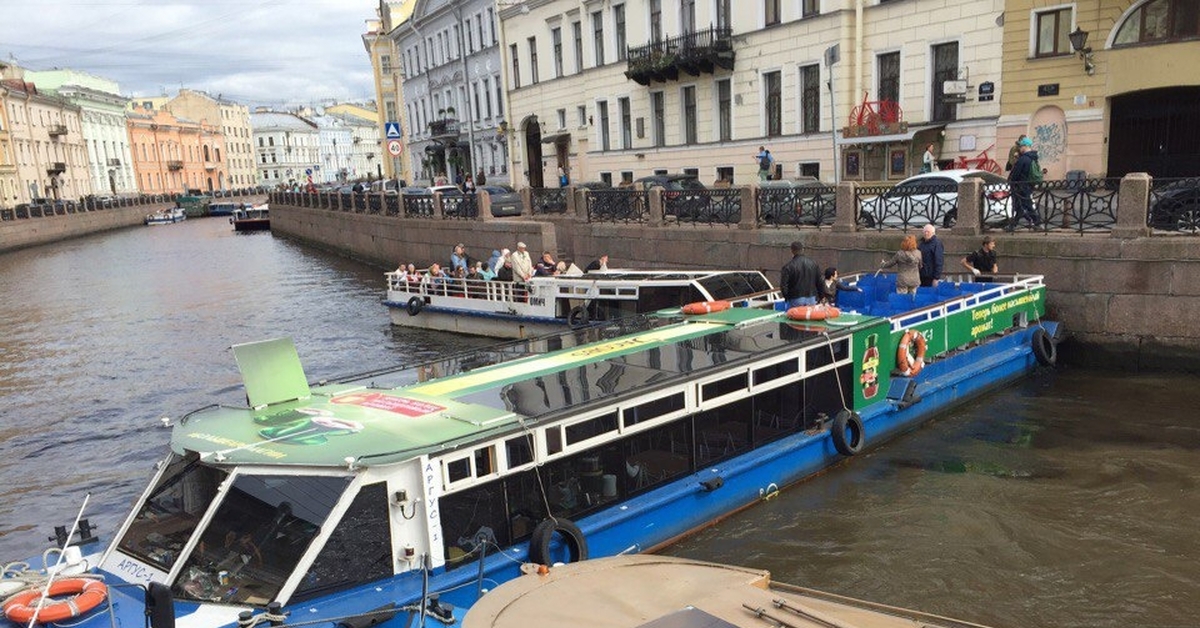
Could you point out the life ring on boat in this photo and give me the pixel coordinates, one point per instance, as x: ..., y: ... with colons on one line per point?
x: 813, y: 312
x: 847, y: 432
x: 543, y: 533
x: 577, y: 317
x: 86, y: 595
x: 1044, y: 348
x: 414, y: 306
x: 910, y: 364
x: 706, y: 307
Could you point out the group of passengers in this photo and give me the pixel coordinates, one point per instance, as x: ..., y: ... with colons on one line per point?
x: 463, y: 276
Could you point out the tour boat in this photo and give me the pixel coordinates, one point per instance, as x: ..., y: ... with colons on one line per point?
x: 554, y: 303
x: 166, y: 216
x: 699, y: 594
x: 405, y: 494
x: 251, y: 218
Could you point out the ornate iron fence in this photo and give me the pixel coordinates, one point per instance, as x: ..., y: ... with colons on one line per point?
x: 1081, y: 205
x: 812, y: 205
x: 549, y: 200
x: 418, y: 206
x: 1174, y: 205
x: 906, y: 206
x: 710, y: 206
x: 460, y: 206
x: 391, y: 205
x: 618, y: 206
x: 346, y: 201
x: 374, y: 204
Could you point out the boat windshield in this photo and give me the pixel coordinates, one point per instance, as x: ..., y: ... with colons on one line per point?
x: 171, y: 512
x: 256, y: 538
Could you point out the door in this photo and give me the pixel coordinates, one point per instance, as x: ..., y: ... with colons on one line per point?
x: 1155, y: 131
x: 533, y: 152
x: 945, y: 68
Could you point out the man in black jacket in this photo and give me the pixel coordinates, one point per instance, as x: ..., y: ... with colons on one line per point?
x: 800, y: 279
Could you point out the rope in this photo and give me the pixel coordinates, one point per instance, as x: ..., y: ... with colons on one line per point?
x: 833, y: 360
x: 537, y: 471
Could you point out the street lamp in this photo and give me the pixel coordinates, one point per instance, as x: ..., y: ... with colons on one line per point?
x: 1079, y: 39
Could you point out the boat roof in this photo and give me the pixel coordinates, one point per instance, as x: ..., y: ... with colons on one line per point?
x: 350, y: 420
x: 646, y: 591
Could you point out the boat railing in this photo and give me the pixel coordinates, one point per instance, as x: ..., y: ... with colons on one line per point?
x: 969, y: 294
x: 491, y: 290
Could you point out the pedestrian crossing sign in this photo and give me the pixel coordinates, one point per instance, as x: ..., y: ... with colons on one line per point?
x: 393, y: 130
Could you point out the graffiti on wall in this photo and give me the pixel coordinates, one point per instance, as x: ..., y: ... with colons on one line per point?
x: 1048, y: 140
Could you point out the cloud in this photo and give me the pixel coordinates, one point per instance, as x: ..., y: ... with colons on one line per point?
x: 258, y: 52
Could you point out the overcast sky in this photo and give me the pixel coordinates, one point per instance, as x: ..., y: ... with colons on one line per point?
x: 257, y: 52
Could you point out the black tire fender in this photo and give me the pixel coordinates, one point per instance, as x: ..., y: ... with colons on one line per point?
x: 577, y: 317
x: 415, y: 305
x: 539, y: 542
x: 1044, y: 348
x: 847, y: 433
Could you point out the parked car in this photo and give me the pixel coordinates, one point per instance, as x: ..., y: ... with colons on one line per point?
x: 932, y: 197
x: 1176, y: 206
x: 387, y: 186
x: 800, y: 201
x: 683, y: 195
x: 505, y: 200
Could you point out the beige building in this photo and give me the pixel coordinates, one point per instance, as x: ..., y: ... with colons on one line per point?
x: 1127, y: 101
x: 233, y: 119
x: 618, y: 90
x: 174, y: 155
x: 45, y: 144
x: 385, y: 65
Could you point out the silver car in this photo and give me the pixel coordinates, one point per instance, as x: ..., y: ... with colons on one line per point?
x: 932, y: 198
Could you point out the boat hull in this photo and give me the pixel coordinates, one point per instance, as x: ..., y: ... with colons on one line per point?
x: 252, y: 225
x: 473, y: 323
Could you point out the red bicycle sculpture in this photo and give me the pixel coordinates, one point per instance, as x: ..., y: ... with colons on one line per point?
x: 982, y: 161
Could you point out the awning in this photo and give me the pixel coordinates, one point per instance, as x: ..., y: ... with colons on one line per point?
x: 554, y: 137
x: 887, y: 139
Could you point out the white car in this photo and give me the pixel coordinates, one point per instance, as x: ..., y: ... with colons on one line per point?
x: 933, y: 198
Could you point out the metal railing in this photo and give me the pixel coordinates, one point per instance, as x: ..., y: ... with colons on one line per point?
x: 460, y: 206
x: 618, y: 206
x: 1080, y: 205
x: 811, y: 206
x: 418, y: 205
x: 906, y: 207
x: 1174, y: 205
x: 549, y: 200
x: 704, y: 206
x: 391, y: 205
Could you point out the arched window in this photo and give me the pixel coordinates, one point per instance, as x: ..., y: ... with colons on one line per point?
x: 1160, y: 21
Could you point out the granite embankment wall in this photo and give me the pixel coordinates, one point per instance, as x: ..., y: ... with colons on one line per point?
x: 1130, y: 300
x: 20, y: 233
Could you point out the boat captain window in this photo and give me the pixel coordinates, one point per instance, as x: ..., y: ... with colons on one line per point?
x: 169, y: 516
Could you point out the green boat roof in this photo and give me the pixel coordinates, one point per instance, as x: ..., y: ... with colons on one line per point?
x: 332, y: 424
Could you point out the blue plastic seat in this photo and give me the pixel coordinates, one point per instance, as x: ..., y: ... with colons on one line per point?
x: 947, y: 288
x: 900, y: 302
x: 970, y: 286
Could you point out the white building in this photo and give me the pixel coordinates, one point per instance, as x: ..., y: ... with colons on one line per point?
x: 619, y: 90
x: 336, y: 143
x: 285, y: 145
x: 452, y: 89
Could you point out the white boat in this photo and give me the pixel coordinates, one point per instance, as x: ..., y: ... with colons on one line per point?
x: 251, y: 218
x: 168, y: 216
x: 550, y: 304
x: 641, y: 591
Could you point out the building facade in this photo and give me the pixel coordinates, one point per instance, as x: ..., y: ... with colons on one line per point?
x: 285, y: 145
x: 46, y: 149
x: 335, y: 147
x: 233, y: 120
x: 174, y: 155
x: 104, y: 128
x: 618, y: 90
x: 453, y: 90
x: 369, y: 157
x: 1127, y: 101
x: 385, y: 66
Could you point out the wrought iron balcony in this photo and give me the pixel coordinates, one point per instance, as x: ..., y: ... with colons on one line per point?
x: 56, y: 130
x: 114, y: 161
x: 175, y: 164
x: 696, y: 53
x: 57, y: 167
x: 444, y: 128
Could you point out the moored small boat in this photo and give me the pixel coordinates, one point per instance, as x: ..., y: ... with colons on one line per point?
x: 166, y: 216
x: 251, y: 218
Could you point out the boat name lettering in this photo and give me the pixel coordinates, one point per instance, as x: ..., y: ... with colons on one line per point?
x: 982, y: 329
x: 431, y: 497
x: 135, y: 570
x: 537, y: 301
x: 380, y: 401
x: 997, y: 308
x: 607, y: 347
x: 222, y: 440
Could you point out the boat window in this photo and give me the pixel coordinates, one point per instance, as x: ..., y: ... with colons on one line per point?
x: 653, y: 409
x: 358, y: 551
x: 654, y: 298
x: 519, y: 451
x: 591, y: 428
x: 727, y: 286
x: 485, y: 461
x: 779, y: 412
x: 765, y: 374
x: 257, y: 535
x: 458, y: 470
x: 723, y: 387
x: 824, y: 355
x: 472, y: 519
x: 554, y: 440
x: 170, y: 513
x: 723, y: 432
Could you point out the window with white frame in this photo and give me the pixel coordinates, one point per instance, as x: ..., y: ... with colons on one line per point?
x: 688, y: 96
x: 1050, y: 30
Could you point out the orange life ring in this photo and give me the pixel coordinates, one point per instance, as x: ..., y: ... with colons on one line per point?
x: 706, y: 307
x: 905, y: 362
x: 813, y: 312
x: 86, y: 594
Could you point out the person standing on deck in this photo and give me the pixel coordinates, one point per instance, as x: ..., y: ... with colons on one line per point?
x: 800, y: 279
x: 933, y: 257
x: 522, y: 264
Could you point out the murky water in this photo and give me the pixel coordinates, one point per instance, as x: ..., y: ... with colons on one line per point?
x: 1067, y: 500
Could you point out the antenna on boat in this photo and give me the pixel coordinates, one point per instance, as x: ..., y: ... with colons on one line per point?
x: 62, y: 553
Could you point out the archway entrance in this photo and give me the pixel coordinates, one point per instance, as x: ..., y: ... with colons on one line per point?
x: 1155, y: 131
x: 533, y: 152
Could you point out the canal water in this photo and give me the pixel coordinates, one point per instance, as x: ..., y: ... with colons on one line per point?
x: 1069, y: 499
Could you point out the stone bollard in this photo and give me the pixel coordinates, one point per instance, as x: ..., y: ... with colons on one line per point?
x: 483, y: 205
x: 526, y: 201
x: 571, y: 201
x: 970, y: 208
x: 749, y: 207
x: 656, y: 206
x: 580, y: 197
x: 1133, y: 206
x: 846, y: 220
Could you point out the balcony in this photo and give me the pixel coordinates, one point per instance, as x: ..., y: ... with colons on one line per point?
x: 57, y: 167
x: 114, y: 162
x: 446, y: 128
x: 695, y: 53
x: 174, y: 164
x: 210, y: 165
x: 56, y: 130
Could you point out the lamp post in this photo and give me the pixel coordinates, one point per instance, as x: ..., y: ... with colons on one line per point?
x: 1079, y: 39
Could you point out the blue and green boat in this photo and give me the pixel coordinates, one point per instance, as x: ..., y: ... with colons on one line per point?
x: 400, y: 496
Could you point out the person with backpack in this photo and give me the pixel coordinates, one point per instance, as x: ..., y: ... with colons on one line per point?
x: 765, y: 163
x: 1025, y: 173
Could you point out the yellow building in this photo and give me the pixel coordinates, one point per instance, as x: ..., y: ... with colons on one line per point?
x: 385, y: 64
x: 233, y: 119
x: 42, y: 141
x: 1125, y: 99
